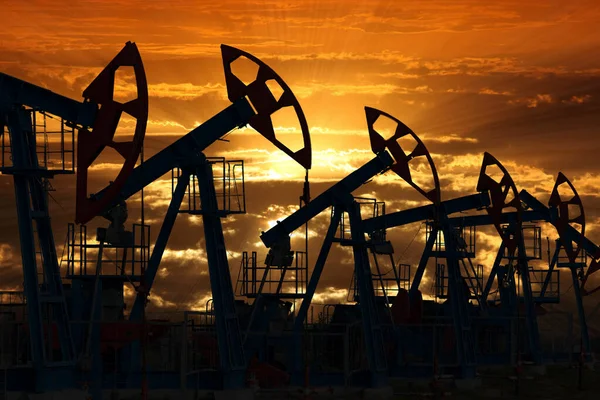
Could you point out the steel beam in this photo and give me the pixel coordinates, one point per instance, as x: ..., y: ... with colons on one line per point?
x: 326, y: 199
x: 428, y: 212
x: 188, y: 147
x: 14, y: 91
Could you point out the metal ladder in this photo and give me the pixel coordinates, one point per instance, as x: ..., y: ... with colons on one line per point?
x: 466, y: 348
x: 34, y: 221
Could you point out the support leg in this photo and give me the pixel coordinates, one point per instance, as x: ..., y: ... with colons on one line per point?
x: 298, y: 376
x: 131, y: 354
x: 373, y: 336
x: 533, y: 333
x: 231, y: 352
x: 465, y: 345
x: 550, y: 269
x: 45, y: 301
x: 493, y: 274
x: 585, y: 338
x: 161, y: 244
x: 422, y: 264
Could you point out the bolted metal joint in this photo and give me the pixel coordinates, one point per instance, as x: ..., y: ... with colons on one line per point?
x: 116, y: 234
x: 280, y: 254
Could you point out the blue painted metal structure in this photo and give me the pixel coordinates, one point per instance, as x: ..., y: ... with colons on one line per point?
x: 186, y: 154
x: 46, y: 302
x: 571, y: 229
x: 568, y: 234
x: 492, y: 197
x: 339, y: 196
x: 513, y: 253
x: 252, y: 104
x: 437, y: 211
x: 336, y: 195
x: 453, y: 252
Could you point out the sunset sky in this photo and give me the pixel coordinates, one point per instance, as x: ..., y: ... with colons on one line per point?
x: 519, y: 79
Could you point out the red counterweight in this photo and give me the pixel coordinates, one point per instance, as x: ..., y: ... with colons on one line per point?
x: 403, y: 156
x: 503, y: 194
x: 265, y: 103
x: 91, y: 144
x: 570, y: 212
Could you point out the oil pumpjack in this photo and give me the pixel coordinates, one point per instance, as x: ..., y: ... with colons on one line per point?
x: 96, y: 119
x: 406, y: 316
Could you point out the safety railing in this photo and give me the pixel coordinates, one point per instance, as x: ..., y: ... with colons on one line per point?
x: 229, y: 185
x: 369, y: 208
x: 12, y: 298
x: 545, y: 285
x: 465, y: 238
x: 471, y: 276
x: 128, y: 261
x: 54, y: 143
x: 285, y: 282
x: 386, y: 283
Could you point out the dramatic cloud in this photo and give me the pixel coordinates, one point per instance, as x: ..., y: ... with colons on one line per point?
x: 534, y: 101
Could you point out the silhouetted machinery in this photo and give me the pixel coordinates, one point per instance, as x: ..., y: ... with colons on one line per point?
x: 416, y: 337
x: 56, y: 346
x: 498, y: 320
x: 79, y: 354
x: 77, y: 335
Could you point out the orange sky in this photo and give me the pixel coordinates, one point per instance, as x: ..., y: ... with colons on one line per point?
x: 518, y: 79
